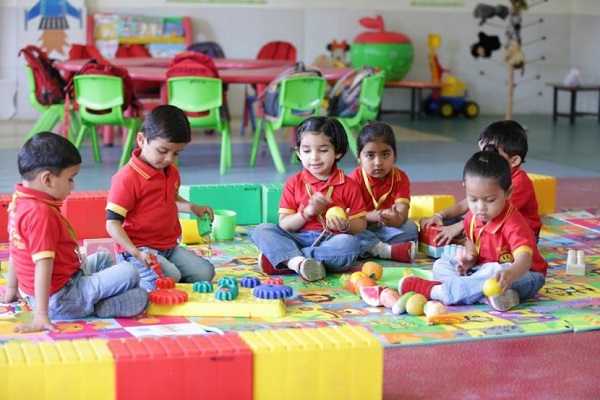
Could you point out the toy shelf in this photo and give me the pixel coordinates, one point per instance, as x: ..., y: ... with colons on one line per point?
x: 105, y: 30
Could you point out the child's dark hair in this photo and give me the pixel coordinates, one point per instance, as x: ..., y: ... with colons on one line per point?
x: 330, y: 127
x: 378, y: 131
x: 167, y: 122
x: 507, y: 135
x: 489, y: 164
x: 46, y: 151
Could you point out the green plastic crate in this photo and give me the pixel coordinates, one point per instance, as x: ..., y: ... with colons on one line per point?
x: 271, y: 194
x: 243, y: 198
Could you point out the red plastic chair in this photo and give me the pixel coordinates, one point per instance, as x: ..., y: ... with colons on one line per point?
x: 275, y: 50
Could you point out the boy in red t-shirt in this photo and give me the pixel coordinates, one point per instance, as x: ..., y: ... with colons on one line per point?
x: 144, y: 203
x: 44, y: 265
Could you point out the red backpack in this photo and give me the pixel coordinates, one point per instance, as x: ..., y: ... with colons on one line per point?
x: 103, y: 67
x: 49, y: 83
x: 191, y: 63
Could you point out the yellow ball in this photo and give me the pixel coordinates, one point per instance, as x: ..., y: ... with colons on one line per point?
x: 491, y: 288
x: 335, y: 211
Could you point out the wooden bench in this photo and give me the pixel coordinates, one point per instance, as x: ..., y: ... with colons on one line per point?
x: 573, y: 107
x: 416, y: 96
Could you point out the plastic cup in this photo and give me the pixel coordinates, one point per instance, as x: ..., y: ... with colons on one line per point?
x: 223, y: 225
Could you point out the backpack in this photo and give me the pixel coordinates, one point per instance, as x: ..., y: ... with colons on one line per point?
x: 269, y: 98
x: 103, y: 67
x: 191, y: 63
x: 344, y: 95
x: 49, y: 83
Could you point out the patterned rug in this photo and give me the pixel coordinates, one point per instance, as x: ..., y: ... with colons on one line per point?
x: 565, y: 303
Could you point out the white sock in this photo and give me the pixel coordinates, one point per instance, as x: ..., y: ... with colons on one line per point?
x: 294, y: 263
x: 382, y: 250
x: 437, y: 293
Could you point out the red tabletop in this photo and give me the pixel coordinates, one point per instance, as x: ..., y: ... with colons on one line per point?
x: 236, y: 70
x: 220, y: 63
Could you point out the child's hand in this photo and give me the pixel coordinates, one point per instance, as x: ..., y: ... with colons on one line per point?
x: 465, y: 263
x: 11, y: 294
x: 148, y: 259
x: 316, y: 205
x: 336, y: 223
x: 40, y: 322
x: 505, y: 279
x: 390, y: 217
x: 199, y: 211
x: 447, y: 233
x: 433, y: 220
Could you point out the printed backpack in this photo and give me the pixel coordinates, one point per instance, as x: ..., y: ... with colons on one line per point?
x: 103, y: 67
x: 49, y: 83
x: 344, y: 95
x: 269, y: 98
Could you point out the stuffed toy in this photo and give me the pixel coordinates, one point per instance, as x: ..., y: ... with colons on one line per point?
x: 338, y: 56
x: 485, y: 12
x: 485, y: 46
x: 514, y: 56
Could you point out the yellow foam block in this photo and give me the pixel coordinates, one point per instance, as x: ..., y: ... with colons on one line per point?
x: 81, y: 363
x: 545, y: 192
x: 423, y: 206
x: 342, y: 362
x: 205, y: 305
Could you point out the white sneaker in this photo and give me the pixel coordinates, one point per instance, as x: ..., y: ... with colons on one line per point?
x: 504, y: 301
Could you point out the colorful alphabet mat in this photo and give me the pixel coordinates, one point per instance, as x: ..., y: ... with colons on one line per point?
x: 565, y: 304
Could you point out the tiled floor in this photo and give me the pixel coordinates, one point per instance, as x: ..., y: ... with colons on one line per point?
x: 432, y: 151
x: 429, y: 150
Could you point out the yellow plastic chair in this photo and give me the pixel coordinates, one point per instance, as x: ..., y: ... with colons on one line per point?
x: 197, y: 94
x: 300, y: 97
x: 49, y: 115
x: 369, y: 102
x: 100, y: 99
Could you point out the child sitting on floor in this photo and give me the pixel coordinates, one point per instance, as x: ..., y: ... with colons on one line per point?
x: 292, y: 245
x: 386, y: 190
x: 44, y: 265
x: 500, y: 244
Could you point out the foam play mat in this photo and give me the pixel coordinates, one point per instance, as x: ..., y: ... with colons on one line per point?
x: 566, y: 303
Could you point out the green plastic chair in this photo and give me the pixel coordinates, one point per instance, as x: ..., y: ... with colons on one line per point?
x: 198, y: 94
x: 49, y: 115
x: 369, y: 102
x: 300, y: 97
x: 100, y: 99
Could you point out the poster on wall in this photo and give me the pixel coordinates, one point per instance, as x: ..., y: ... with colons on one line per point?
x: 53, y: 25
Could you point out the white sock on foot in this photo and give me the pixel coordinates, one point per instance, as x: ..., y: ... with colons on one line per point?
x: 437, y: 293
x: 382, y: 250
x: 294, y: 263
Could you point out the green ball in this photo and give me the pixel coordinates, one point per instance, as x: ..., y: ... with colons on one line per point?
x: 394, y: 58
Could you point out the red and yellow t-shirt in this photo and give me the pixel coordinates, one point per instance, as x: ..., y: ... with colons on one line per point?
x: 383, y: 194
x: 342, y: 191
x: 523, y: 197
x: 37, y: 230
x: 503, y: 238
x: 146, y: 198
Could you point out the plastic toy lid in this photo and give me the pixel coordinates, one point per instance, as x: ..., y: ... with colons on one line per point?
x: 382, y: 37
x: 167, y: 296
